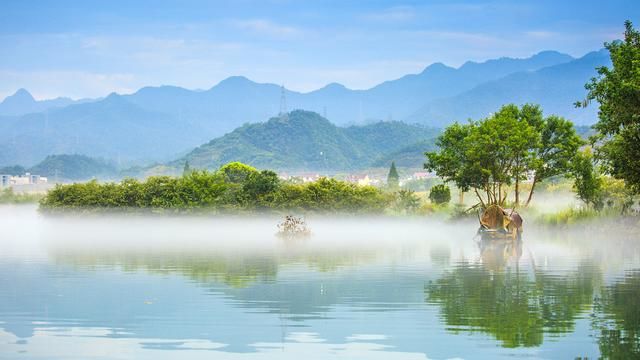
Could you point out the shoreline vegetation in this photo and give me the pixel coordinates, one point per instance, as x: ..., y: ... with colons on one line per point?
x: 237, y: 189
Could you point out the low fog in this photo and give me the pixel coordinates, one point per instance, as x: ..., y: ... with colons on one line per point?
x: 342, y: 240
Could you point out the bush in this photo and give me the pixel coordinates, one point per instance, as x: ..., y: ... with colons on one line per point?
x: 440, y: 194
x: 233, y: 187
x: 406, y: 202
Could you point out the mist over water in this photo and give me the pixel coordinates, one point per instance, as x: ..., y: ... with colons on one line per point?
x: 158, y: 287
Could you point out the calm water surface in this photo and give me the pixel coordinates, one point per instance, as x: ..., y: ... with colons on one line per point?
x: 186, y: 288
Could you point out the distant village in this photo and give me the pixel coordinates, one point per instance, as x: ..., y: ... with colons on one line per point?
x: 363, y: 179
x: 33, y: 182
x: 25, y: 182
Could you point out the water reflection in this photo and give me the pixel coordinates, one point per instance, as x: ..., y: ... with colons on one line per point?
x: 618, y: 318
x: 515, y: 305
x: 148, y: 288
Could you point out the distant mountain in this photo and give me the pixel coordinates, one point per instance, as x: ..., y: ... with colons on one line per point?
x: 112, y: 128
x: 12, y: 170
x: 409, y: 156
x: 556, y: 88
x: 399, y: 98
x: 22, y: 103
x: 306, y: 141
x: 156, y: 123
x: 238, y: 100
x: 73, y: 167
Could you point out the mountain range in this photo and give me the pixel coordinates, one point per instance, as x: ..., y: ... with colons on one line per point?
x: 22, y: 102
x: 163, y: 123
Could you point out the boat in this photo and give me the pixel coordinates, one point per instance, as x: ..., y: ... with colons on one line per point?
x: 497, y: 223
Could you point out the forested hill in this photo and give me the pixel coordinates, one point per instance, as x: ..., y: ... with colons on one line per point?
x: 304, y: 140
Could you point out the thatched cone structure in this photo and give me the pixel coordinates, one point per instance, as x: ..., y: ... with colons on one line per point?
x: 496, y: 222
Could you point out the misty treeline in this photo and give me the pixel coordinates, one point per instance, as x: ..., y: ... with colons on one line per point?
x: 233, y: 187
x: 492, y: 156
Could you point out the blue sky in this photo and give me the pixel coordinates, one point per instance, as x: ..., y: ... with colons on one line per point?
x: 91, y: 48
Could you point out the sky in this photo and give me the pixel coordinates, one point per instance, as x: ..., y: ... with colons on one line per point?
x: 92, y: 48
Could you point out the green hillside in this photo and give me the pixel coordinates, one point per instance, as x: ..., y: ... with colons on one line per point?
x: 306, y: 141
x: 73, y: 167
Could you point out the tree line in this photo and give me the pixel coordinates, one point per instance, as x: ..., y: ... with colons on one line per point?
x: 233, y: 187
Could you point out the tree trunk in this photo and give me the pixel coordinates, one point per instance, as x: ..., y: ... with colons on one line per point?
x: 480, y: 198
x: 517, y: 201
x: 461, y: 197
x: 533, y: 186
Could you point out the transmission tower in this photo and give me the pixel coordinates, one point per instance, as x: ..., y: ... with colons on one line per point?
x: 283, y: 104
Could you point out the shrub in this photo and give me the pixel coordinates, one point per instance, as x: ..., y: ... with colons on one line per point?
x: 440, y: 194
x: 234, y: 187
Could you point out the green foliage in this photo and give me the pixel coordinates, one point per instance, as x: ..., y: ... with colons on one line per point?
x: 588, y: 182
x: 330, y: 195
x: 406, y: 202
x: 234, y: 187
x: 305, y: 140
x: 617, y: 196
x: 393, y: 179
x: 617, y: 90
x: 558, y: 145
x: 236, y: 172
x: 568, y: 216
x: 491, y: 154
x: 8, y: 196
x: 440, y: 194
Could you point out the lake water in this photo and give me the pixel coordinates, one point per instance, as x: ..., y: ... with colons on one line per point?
x: 227, y: 288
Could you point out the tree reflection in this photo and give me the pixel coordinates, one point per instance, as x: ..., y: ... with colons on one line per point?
x: 618, y: 318
x: 235, y: 270
x: 516, y: 307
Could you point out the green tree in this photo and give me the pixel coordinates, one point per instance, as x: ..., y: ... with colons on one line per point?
x: 491, y: 154
x: 498, y: 152
x: 588, y: 182
x: 450, y: 162
x: 393, y: 179
x: 259, y: 185
x: 407, y: 202
x: 559, y: 144
x: 617, y: 90
x: 236, y: 172
x: 486, y: 155
x: 440, y: 194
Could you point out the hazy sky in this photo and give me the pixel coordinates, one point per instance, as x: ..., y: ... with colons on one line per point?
x: 91, y: 48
